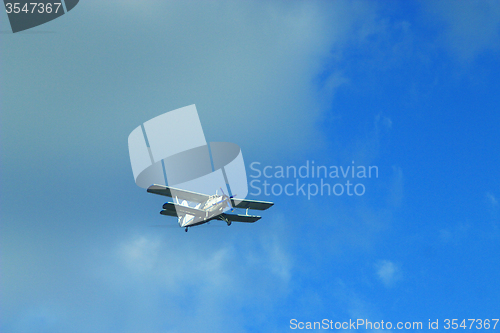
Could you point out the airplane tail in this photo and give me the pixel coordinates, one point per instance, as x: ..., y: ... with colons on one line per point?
x: 183, y: 219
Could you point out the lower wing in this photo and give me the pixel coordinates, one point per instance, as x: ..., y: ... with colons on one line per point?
x: 239, y: 218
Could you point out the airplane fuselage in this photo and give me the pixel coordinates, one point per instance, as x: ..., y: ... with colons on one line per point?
x: 193, y: 208
x: 213, y: 207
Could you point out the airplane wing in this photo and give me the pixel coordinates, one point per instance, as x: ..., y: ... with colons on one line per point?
x: 171, y: 208
x: 176, y: 192
x: 251, y: 204
x: 240, y: 218
x: 168, y: 212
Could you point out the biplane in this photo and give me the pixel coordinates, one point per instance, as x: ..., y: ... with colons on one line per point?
x: 192, y: 208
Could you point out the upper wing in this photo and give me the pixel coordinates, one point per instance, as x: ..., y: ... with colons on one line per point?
x: 240, y: 218
x: 176, y: 192
x: 251, y: 204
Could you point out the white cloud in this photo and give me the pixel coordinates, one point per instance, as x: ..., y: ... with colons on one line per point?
x: 216, y: 277
x: 388, y: 272
x: 455, y: 234
x: 396, y: 187
x: 471, y: 27
x: 356, y: 305
x: 493, y: 207
x: 382, y: 123
x: 249, y: 66
x: 492, y: 199
x: 140, y: 254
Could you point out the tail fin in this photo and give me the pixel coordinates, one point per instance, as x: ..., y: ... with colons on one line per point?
x: 183, y: 219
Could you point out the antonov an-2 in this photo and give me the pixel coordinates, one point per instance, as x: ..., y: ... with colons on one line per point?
x: 206, y: 207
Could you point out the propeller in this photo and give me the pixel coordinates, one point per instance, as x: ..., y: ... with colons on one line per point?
x: 228, y: 199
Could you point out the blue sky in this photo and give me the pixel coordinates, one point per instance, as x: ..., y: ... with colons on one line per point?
x: 411, y: 87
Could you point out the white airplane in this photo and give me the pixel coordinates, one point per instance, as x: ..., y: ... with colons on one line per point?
x: 206, y: 207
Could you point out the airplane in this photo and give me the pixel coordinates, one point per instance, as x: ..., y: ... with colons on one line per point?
x: 207, y: 207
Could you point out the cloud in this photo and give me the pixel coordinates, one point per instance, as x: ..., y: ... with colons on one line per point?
x: 396, y: 187
x: 250, y: 68
x: 355, y: 305
x: 141, y: 254
x: 387, y: 272
x: 382, y: 123
x: 217, y: 283
x: 455, y: 234
x: 471, y: 27
x: 494, y: 207
x: 492, y: 199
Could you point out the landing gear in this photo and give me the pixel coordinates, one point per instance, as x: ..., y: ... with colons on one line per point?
x: 223, y: 218
x: 186, y: 230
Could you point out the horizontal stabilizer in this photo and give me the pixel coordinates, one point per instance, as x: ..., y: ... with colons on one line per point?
x: 240, y: 218
x: 251, y: 204
x: 182, y: 210
x: 176, y: 192
x: 168, y: 212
